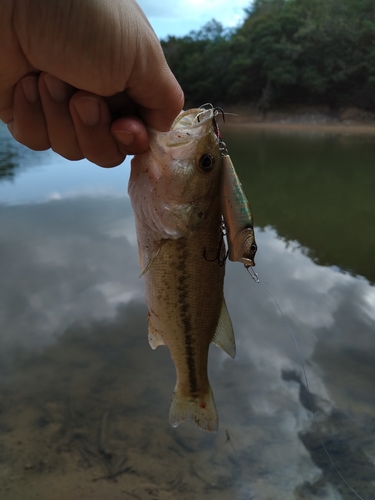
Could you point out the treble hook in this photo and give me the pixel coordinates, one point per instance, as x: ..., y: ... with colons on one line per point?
x: 216, y: 110
x: 221, y: 243
x: 216, y: 126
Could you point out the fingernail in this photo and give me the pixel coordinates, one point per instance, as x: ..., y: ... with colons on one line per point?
x: 57, y: 89
x: 88, y: 109
x: 30, y: 89
x: 126, y: 138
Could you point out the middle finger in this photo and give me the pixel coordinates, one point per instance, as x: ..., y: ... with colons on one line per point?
x: 55, y: 96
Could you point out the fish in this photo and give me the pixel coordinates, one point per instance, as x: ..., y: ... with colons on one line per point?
x: 174, y: 188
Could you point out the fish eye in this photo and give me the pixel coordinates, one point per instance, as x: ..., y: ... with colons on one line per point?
x: 254, y: 247
x: 206, y: 162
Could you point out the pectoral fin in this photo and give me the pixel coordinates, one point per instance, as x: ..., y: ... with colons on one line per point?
x: 154, y: 254
x: 224, y: 336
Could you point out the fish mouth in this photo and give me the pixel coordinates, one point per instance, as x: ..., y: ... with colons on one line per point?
x: 188, y: 128
x: 193, y: 118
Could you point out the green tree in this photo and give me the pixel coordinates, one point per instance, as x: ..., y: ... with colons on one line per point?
x: 199, y: 61
x: 301, y: 51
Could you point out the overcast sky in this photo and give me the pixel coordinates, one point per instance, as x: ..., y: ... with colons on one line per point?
x: 178, y: 17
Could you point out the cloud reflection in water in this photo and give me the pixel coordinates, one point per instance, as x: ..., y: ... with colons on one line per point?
x: 62, y: 262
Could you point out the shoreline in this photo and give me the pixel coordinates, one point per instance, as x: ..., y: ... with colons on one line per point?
x: 304, y: 119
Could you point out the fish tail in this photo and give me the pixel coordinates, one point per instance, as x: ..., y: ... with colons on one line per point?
x: 201, y: 409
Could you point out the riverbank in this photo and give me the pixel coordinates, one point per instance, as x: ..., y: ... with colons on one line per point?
x: 346, y: 120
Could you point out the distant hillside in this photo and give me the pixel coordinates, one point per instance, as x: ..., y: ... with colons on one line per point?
x: 314, y: 52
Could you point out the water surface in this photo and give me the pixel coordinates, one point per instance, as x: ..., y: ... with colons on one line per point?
x: 84, y: 400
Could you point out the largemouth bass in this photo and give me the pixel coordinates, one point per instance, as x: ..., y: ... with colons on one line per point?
x: 175, y: 192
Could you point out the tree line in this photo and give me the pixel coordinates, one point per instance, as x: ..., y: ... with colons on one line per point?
x: 315, y: 52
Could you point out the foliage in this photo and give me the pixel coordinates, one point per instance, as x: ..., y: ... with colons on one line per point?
x: 300, y: 51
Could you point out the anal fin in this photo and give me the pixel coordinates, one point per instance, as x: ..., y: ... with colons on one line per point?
x: 154, y: 337
x: 224, y: 335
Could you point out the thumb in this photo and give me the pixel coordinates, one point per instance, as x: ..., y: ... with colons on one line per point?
x: 158, y: 94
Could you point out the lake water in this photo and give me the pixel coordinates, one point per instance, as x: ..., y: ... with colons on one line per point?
x: 83, y: 398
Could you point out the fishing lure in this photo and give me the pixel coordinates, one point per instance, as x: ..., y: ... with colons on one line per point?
x: 235, y: 208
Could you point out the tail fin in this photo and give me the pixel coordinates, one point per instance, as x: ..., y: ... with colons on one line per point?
x: 201, y: 409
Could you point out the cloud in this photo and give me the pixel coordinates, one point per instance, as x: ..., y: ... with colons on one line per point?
x: 169, y: 8
x: 172, y: 18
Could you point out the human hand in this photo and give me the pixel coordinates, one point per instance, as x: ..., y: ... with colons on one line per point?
x: 83, y: 77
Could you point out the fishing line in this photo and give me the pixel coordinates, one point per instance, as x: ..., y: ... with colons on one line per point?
x: 255, y: 277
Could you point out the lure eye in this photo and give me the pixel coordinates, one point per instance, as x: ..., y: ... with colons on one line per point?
x: 206, y: 162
